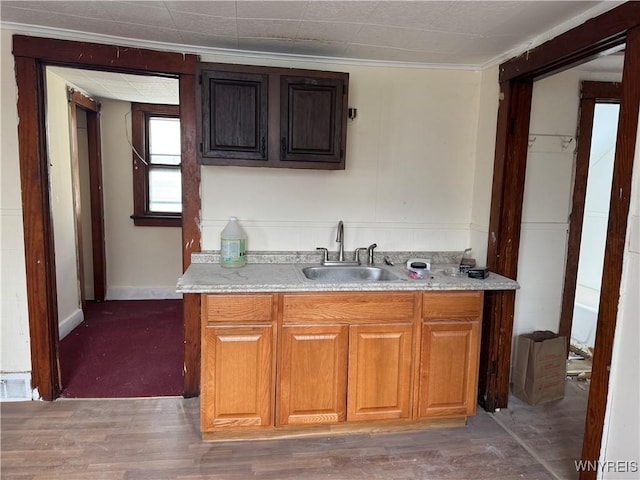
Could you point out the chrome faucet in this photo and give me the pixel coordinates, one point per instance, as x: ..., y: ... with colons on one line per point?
x: 340, y: 260
x: 370, y: 253
x: 340, y: 240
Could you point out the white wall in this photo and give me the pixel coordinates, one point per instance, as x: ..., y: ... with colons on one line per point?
x: 483, y: 168
x: 142, y: 262
x: 621, y: 437
x: 15, y: 355
x: 62, y: 205
x: 409, y: 178
x: 547, y: 203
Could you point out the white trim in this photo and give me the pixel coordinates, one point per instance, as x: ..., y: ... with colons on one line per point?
x: 66, y: 326
x: 142, y: 293
x: 305, y: 225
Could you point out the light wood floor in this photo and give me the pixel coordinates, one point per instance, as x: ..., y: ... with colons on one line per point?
x: 159, y: 439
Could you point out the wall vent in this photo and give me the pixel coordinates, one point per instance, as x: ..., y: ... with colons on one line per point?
x: 15, y: 387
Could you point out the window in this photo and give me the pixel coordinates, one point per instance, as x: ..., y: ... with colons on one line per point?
x: 157, y: 179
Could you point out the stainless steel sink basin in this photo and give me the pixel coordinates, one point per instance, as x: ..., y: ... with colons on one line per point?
x: 343, y: 273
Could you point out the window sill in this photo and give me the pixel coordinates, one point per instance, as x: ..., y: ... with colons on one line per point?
x: 158, y: 220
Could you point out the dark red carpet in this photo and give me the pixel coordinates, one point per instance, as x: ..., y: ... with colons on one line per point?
x: 123, y: 349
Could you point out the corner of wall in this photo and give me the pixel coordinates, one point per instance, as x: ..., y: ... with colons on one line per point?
x: 488, y: 101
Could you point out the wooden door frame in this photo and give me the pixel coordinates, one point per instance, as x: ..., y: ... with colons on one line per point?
x: 31, y: 56
x: 591, y: 93
x: 593, y: 38
x: 75, y: 191
x: 77, y: 100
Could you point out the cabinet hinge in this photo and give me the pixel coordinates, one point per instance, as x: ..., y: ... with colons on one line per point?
x: 200, y: 147
x: 344, y: 89
x: 200, y: 79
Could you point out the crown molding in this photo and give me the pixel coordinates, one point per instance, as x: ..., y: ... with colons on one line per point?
x: 227, y: 55
x: 224, y: 55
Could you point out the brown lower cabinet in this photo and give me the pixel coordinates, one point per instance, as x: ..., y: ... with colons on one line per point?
x: 379, y: 373
x: 450, y: 354
x: 238, y: 366
x: 312, y: 380
x: 297, y: 359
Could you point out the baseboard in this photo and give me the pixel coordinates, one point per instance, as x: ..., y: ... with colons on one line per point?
x: 142, y: 293
x: 16, y: 387
x: 66, y: 326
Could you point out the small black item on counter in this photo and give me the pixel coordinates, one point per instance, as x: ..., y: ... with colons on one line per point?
x: 478, y: 273
x: 418, y: 265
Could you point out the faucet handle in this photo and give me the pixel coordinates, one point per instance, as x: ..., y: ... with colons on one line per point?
x: 325, y: 254
x: 356, y: 254
x: 370, y: 252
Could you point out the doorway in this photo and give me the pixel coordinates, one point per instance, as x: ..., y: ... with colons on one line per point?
x: 553, y: 201
x: 598, y: 123
x: 75, y: 176
x: 130, y: 345
x: 587, y: 41
x: 594, y: 228
x: 31, y: 55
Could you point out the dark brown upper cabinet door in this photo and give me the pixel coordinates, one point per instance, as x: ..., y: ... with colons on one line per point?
x: 234, y: 116
x: 312, y: 122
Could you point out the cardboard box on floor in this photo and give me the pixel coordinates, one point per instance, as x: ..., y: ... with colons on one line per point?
x: 540, y: 367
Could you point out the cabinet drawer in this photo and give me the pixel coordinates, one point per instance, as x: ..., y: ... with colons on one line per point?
x: 247, y: 308
x: 452, y: 305
x: 358, y: 307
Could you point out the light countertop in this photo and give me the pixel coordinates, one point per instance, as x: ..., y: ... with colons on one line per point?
x: 283, y: 273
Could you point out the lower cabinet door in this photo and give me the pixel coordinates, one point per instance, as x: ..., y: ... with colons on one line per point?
x: 379, y: 372
x: 237, y: 377
x: 312, y: 375
x: 449, y: 369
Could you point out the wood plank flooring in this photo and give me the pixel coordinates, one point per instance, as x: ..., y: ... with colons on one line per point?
x: 552, y: 431
x: 159, y: 438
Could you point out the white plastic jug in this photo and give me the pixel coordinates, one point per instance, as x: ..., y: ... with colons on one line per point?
x: 233, y: 242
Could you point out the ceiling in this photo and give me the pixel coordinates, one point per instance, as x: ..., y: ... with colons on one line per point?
x: 468, y: 34
x: 448, y: 34
x: 121, y: 86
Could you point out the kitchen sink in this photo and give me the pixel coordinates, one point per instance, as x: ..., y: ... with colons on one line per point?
x: 343, y: 273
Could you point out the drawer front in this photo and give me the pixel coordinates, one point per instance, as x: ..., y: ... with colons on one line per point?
x: 452, y: 305
x: 249, y: 308
x: 348, y: 306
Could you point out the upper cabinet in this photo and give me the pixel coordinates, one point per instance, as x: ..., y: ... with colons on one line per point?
x: 272, y: 117
x: 311, y: 119
x: 234, y: 115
